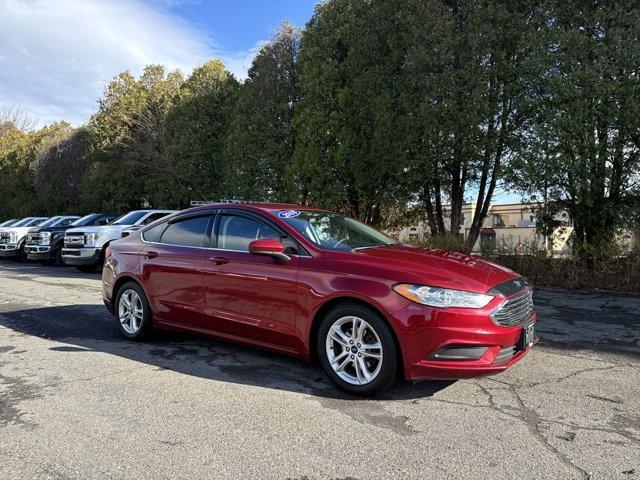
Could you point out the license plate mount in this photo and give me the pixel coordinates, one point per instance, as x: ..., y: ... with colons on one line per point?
x: 528, y: 335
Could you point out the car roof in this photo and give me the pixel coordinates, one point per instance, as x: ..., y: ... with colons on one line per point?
x: 267, y: 207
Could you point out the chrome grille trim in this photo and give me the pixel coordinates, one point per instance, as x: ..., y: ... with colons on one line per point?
x: 515, y: 311
x: 505, y: 354
x: 74, y: 240
x: 34, y: 239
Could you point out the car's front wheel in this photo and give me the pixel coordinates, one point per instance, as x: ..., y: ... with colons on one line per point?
x: 132, y: 311
x: 357, y: 350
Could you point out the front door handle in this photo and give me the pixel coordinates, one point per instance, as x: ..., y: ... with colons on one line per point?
x: 219, y: 260
x: 149, y: 255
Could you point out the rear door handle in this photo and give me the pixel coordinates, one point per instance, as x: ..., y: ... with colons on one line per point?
x: 149, y: 255
x: 219, y: 260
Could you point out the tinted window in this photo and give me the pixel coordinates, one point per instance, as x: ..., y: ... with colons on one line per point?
x: 236, y: 233
x: 66, y: 221
x: 154, y: 233
x: 153, y: 217
x: 190, y: 232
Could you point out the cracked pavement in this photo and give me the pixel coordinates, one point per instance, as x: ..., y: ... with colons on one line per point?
x: 78, y: 401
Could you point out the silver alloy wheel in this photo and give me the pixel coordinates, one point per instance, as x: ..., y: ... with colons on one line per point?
x: 354, y: 350
x: 130, y: 311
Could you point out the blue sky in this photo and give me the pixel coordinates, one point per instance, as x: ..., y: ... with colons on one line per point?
x: 57, y: 56
x: 238, y: 25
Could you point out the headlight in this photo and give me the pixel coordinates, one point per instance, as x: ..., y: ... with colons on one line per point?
x: 90, y: 239
x: 13, y: 237
x: 442, y: 297
x: 46, y: 238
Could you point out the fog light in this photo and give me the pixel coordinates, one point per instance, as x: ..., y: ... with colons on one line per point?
x: 459, y: 353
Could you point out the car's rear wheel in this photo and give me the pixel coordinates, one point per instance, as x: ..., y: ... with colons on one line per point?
x: 132, y: 311
x: 357, y: 350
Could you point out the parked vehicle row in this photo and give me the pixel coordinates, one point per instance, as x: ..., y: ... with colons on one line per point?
x: 69, y: 239
x: 296, y: 280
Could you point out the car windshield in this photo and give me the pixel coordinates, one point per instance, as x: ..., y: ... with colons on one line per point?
x: 129, y: 218
x: 35, y: 222
x: 333, y: 231
x: 48, y: 223
x: 23, y: 222
x: 7, y: 223
x: 84, y: 220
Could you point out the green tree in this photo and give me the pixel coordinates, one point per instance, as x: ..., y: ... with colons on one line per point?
x: 58, y: 170
x: 133, y: 165
x: 584, y: 154
x: 261, y: 142
x: 468, y: 100
x: 346, y: 153
x: 197, y: 127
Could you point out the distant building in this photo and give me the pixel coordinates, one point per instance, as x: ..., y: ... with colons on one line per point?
x: 512, y: 224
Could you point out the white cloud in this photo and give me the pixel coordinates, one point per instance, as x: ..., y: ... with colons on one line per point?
x: 57, y: 56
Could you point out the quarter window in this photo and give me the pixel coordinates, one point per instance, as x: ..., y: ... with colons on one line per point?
x: 236, y: 232
x: 190, y: 232
x: 154, y: 233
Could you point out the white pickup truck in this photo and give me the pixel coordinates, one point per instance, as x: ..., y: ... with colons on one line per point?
x: 84, y: 246
x: 12, y: 237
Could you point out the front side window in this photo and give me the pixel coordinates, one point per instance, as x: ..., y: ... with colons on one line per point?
x: 153, y: 217
x: 237, y: 232
x: 129, y: 218
x: 333, y: 231
x: 66, y: 221
x: 190, y: 232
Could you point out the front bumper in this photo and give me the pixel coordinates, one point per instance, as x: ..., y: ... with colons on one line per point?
x: 427, y: 335
x: 39, y: 252
x: 81, y: 256
x: 8, y: 250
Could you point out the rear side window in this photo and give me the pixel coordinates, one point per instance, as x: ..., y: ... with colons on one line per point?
x: 154, y: 233
x: 237, y: 232
x: 190, y: 232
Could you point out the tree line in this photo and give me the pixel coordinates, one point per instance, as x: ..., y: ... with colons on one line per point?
x: 378, y: 109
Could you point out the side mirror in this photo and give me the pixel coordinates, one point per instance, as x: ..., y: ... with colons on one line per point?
x: 269, y: 246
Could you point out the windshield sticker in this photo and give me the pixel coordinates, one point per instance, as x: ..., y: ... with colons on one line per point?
x: 288, y: 213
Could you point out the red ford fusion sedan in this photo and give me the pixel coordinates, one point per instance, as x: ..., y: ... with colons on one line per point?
x: 322, y: 286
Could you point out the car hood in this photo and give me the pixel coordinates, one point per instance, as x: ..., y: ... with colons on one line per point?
x: 102, y: 229
x: 20, y: 231
x: 49, y: 229
x: 439, y: 268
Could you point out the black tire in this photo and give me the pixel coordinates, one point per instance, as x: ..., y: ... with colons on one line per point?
x: 22, y: 255
x: 388, y: 372
x: 145, y: 325
x: 87, y: 268
x: 57, y: 260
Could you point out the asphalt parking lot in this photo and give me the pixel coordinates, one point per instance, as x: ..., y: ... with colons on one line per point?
x: 77, y: 401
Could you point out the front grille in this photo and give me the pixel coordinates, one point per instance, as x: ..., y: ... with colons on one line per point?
x: 4, y: 238
x: 74, y: 240
x: 515, y: 311
x: 34, y: 239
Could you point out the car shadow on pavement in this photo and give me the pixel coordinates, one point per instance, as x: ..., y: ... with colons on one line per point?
x: 86, y: 328
x: 43, y: 270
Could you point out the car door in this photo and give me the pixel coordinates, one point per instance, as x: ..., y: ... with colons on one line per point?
x: 171, y: 263
x: 247, y: 295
